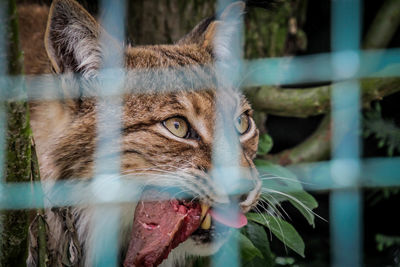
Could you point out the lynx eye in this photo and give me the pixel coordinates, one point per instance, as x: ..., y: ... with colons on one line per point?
x: 242, y: 123
x: 177, y: 126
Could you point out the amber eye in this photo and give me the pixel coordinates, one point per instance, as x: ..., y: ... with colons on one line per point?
x: 177, y: 126
x: 242, y: 123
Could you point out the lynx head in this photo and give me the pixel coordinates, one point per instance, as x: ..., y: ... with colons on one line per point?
x: 168, y: 120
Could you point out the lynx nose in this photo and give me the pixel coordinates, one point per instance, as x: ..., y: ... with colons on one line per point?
x: 239, y: 199
x: 248, y: 200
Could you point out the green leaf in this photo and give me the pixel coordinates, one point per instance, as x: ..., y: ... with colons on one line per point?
x: 384, y: 241
x: 259, y: 238
x: 281, y: 185
x: 265, y: 144
x: 381, y: 143
x: 247, y: 250
x: 283, y: 230
x: 284, y: 261
x: 305, y: 203
x: 267, y: 166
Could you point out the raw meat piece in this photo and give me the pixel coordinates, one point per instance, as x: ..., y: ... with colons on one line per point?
x: 159, y: 226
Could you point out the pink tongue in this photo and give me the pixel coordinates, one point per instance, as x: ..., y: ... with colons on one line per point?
x: 228, y: 217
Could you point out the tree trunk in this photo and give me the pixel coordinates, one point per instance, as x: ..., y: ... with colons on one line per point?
x: 274, y: 33
x: 18, y: 142
x: 164, y: 22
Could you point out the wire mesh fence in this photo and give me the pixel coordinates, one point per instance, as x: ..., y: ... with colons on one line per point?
x: 345, y: 174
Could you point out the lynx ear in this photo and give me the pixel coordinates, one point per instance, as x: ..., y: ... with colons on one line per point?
x: 226, y: 25
x: 72, y: 39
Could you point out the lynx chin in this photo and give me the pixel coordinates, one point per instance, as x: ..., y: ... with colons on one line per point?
x: 167, y: 134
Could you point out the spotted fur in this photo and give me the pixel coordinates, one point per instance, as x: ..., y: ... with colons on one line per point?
x: 65, y: 130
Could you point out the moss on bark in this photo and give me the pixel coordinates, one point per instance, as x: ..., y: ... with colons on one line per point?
x: 303, y: 103
x: 18, y: 148
x: 315, y: 101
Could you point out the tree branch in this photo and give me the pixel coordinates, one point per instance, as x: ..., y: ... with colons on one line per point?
x: 384, y: 25
x: 315, y: 147
x: 315, y: 101
x: 302, y: 103
x: 290, y: 102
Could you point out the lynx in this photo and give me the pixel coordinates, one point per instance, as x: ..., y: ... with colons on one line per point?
x: 166, y: 128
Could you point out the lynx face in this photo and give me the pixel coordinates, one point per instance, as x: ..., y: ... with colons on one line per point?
x: 167, y: 130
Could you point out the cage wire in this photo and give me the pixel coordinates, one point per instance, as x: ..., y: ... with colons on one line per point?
x: 345, y: 174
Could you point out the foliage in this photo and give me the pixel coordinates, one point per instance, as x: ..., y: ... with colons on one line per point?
x: 278, y: 185
x: 381, y: 194
x: 388, y: 135
x: 383, y: 241
x: 278, y: 37
x: 284, y: 231
x: 282, y: 185
x: 17, y: 150
x: 257, y: 235
x: 265, y: 144
x: 248, y: 250
x: 385, y: 130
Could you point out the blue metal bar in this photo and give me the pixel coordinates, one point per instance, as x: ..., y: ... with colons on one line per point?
x: 3, y: 73
x: 346, y: 205
x: 266, y: 71
x: 343, y: 172
x: 346, y: 228
x: 106, y: 222
x: 226, y: 145
x: 320, y: 67
x: 375, y: 172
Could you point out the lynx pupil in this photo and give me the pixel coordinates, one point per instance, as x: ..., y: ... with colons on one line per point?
x: 242, y: 123
x: 177, y: 126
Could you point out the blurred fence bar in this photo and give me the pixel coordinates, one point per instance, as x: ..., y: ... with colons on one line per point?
x: 320, y: 67
x: 345, y: 175
x: 346, y: 205
x: 3, y: 74
x: 375, y: 172
x: 265, y: 71
x: 106, y: 219
x: 228, y: 68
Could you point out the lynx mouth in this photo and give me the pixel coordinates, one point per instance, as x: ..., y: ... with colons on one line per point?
x: 161, y: 224
x: 216, y: 222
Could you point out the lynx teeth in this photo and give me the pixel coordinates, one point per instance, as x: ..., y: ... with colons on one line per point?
x: 205, y: 217
x: 206, y: 224
x: 204, y: 210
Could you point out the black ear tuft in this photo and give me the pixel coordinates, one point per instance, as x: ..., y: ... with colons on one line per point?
x: 204, y: 33
x: 197, y: 35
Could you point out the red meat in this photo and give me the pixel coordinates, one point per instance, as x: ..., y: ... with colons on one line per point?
x: 159, y: 226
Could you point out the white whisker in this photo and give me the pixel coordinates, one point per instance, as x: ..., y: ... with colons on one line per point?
x: 294, y: 199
